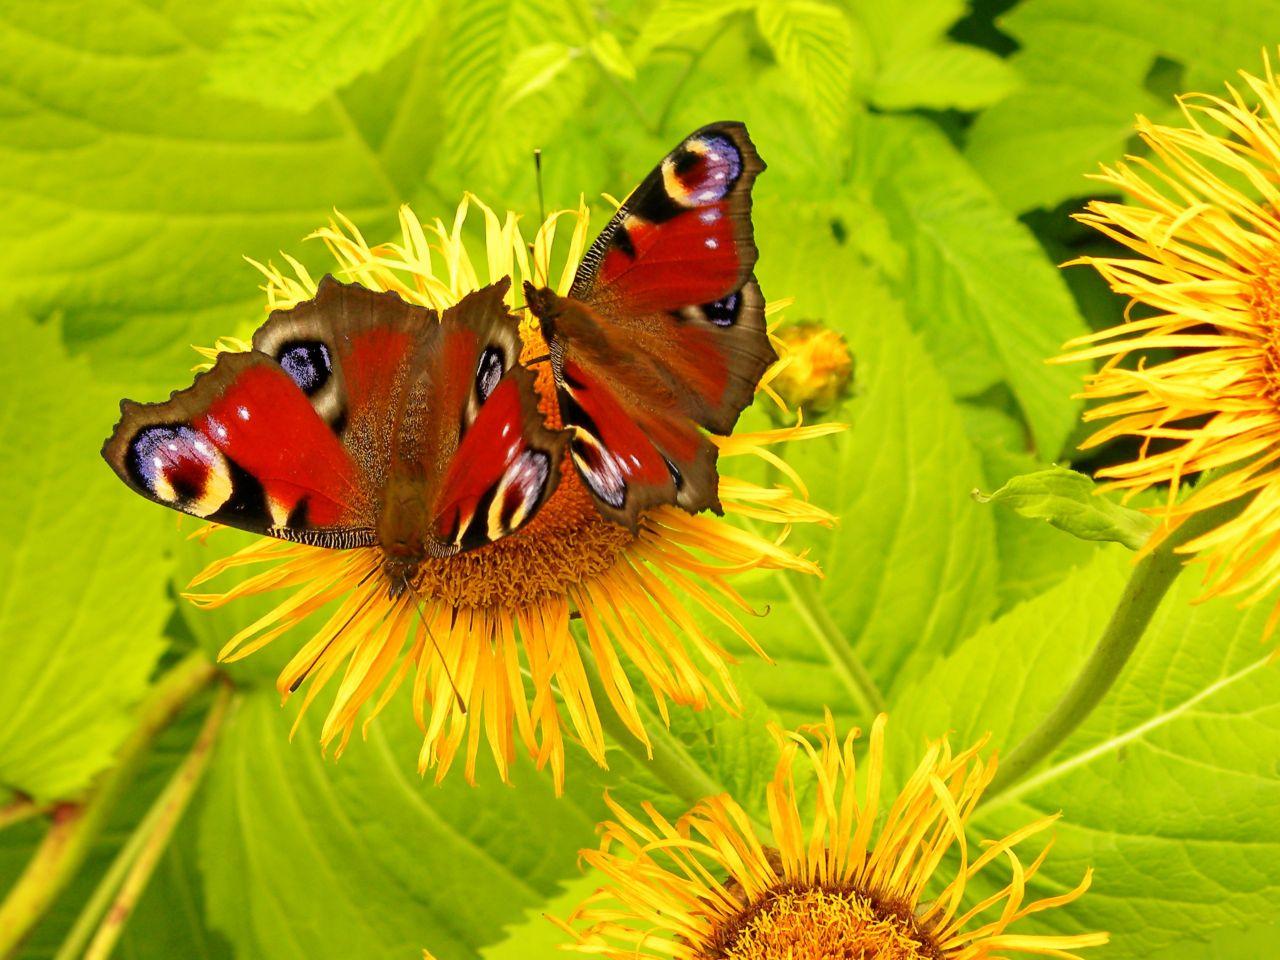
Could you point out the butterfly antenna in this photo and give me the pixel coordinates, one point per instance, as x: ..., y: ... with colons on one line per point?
x: 417, y: 605
x: 293, y: 687
x: 537, y: 175
x: 542, y: 215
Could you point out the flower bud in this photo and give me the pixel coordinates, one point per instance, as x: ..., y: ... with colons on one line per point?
x: 817, y: 374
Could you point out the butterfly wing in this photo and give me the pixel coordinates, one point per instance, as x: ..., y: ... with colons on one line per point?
x: 663, y: 333
x: 292, y: 438
x: 487, y: 460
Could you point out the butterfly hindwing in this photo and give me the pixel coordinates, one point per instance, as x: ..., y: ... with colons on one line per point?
x: 663, y: 332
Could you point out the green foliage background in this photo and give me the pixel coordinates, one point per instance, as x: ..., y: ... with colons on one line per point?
x: 923, y: 157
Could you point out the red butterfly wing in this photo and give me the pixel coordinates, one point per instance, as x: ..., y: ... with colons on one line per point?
x: 664, y: 329
x: 292, y: 438
x: 487, y: 460
x: 357, y: 419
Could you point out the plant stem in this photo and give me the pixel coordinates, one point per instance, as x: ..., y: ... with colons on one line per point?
x: 803, y: 593
x: 1151, y: 579
x: 665, y: 756
x: 146, y: 845
x: 18, y: 810
x: 76, y: 826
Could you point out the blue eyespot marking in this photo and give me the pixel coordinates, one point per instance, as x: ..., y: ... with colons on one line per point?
x: 488, y: 372
x: 179, y: 465
x: 307, y: 364
x: 724, y: 312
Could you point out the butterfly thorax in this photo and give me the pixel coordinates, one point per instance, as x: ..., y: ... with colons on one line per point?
x: 567, y: 320
x: 403, y: 525
x: 543, y: 302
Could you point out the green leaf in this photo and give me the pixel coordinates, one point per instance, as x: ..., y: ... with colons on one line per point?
x: 292, y: 54
x: 948, y: 76
x: 489, y: 136
x: 910, y: 568
x: 137, y: 191
x: 976, y: 283
x: 1086, y: 67
x: 1033, y: 556
x: 609, y: 54
x: 1168, y: 789
x: 1069, y: 501
x: 474, y: 60
x: 84, y: 566
x: 536, y: 937
x: 671, y: 20
x: 918, y: 66
x: 168, y: 920
x: 820, y: 51
x: 304, y: 857
x: 534, y: 69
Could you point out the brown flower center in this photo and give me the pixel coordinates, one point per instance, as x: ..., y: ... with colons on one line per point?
x: 800, y: 922
x: 567, y: 543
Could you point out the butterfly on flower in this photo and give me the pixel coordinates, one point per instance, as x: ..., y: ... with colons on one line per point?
x: 358, y: 419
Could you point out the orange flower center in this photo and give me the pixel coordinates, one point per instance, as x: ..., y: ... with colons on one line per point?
x: 567, y: 543
x: 800, y: 922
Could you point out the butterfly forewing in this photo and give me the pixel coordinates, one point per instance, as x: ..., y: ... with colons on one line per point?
x: 663, y: 333
x: 291, y: 439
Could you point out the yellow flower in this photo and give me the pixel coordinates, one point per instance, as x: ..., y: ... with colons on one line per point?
x: 500, y: 614
x: 1194, y: 372
x: 816, y: 372
x: 710, y: 887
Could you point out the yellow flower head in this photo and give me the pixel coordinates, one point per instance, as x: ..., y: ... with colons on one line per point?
x: 848, y: 880
x: 1194, y: 372
x: 816, y: 372
x: 500, y: 615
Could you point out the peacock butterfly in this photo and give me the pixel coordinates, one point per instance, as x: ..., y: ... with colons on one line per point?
x: 663, y: 330
x: 360, y: 420
x: 356, y: 420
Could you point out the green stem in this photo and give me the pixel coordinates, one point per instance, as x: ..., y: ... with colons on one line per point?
x: 148, y: 844
x: 803, y: 593
x: 1151, y: 579
x: 665, y: 756
x: 76, y: 826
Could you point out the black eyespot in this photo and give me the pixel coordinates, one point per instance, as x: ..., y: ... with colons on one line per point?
x: 488, y: 372
x: 307, y: 364
x: 685, y: 160
x: 724, y: 312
